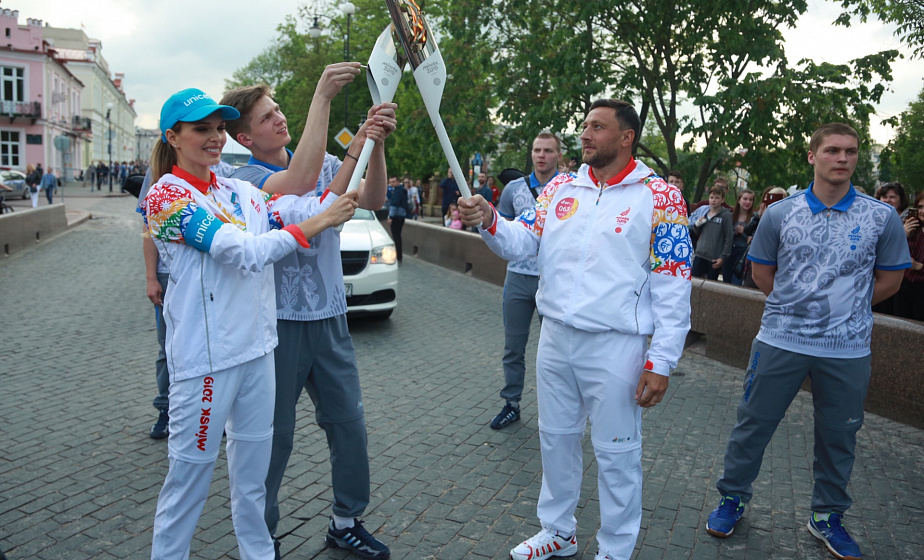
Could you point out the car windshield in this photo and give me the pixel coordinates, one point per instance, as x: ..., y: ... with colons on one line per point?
x: 362, y: 214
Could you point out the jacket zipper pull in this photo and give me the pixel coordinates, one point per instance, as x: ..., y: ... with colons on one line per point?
x: 211, y: 296
x: 599, y: 194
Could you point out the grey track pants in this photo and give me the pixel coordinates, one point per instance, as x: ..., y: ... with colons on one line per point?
x: 771, y: 383
x: 318, y: 356
x: 519, y: 305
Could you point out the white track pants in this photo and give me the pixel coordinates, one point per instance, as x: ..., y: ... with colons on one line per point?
x: 240, y: 401
x: 579, y: 376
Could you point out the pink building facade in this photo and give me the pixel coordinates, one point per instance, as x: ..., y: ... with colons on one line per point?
x: 40, y: 101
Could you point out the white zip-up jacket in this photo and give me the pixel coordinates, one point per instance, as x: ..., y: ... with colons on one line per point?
x: 611, y: 256
x: 219, y: 241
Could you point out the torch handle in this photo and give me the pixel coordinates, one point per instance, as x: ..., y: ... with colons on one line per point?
x: 361, y: 162
x: 450, y: 153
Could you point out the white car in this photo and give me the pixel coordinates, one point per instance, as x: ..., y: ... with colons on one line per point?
x: 370, y: 269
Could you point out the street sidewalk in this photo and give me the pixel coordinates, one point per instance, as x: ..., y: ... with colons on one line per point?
x: 79, y: 476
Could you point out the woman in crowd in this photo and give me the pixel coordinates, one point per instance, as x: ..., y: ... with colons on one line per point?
x: 33, y: 178
x: 909, y: 301
x: 741, y: 216
x: 894, y: 195
x: 771, y: 195
x: 219, y: 238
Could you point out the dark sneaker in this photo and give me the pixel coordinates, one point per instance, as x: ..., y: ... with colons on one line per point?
x: 723, y: 518
x: 831, y: 532
x: 357, y: 539
x: 161, y: 428
x: 508, y: 415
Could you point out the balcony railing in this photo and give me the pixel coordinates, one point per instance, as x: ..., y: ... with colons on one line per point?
x: 82, y: 124
x: 21, y: 109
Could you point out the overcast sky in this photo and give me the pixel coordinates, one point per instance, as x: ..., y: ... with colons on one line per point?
x: 167, y: 45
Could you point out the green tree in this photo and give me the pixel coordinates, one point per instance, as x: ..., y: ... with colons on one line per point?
x: 906, y: 15
x: 906, y: 150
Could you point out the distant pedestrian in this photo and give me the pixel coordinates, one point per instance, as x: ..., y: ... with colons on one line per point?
x: 49, y: 184
x: 413, y: 199
x: 397, y: 214
x: 33, y: 179
x: 450, y: 193
x: 716, y: 234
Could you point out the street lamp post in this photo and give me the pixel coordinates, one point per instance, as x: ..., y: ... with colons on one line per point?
x: 348, y: 9
x: 109, y: 122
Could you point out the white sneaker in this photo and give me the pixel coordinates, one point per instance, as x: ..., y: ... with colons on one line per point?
x: 545, y: 544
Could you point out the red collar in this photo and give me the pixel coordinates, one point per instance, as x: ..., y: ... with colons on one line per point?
x: 199, y: 184
x: 629, y: 168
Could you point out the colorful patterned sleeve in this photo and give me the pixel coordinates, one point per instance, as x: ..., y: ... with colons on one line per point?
x: 172, y: 215
x: 671, y: 248
x: 534, y: 218
x: 671, y: 255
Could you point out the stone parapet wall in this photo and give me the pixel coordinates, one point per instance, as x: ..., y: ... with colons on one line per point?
x: 727, y: 317
x: 24, y: 228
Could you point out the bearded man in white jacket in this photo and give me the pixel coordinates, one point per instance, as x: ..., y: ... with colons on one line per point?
x: 614, y: 268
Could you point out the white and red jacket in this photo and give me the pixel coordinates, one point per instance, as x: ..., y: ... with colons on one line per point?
x: 612, y: 256
x: 219, y: 240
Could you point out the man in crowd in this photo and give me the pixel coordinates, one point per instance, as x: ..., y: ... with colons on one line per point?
x: 483, y: 188
x: 315, y: 351
x: 450, y: 191
x: 614, y: 267
x: 522, y: 278
x: 822, y: 257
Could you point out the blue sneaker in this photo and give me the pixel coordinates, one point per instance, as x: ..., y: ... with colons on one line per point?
x: 831, y: 532
x: 508, y: 415
x: 723, y: 518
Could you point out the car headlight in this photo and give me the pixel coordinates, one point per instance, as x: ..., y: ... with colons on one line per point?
x: 385, y: 254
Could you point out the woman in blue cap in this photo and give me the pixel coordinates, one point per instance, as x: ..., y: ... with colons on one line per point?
x: 219, y: 238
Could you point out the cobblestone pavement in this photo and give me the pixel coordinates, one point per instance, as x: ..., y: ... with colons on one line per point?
x: 79, y: 475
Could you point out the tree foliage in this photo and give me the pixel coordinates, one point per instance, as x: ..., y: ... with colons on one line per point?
x: 906, y: 15
x: 709, y: 78
x: 905, y: 153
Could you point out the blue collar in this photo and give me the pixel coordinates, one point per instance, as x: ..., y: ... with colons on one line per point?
x: 270, y: 166
x: 534, y: 182
x: 817, y: 206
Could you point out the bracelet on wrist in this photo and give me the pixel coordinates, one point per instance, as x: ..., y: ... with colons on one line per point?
x: 349, y: 155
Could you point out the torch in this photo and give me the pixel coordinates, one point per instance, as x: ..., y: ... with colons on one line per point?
x: 421, y: 51
x: 386, y: 63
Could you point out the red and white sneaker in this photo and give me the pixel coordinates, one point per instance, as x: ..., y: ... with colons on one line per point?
x: 545, y: 544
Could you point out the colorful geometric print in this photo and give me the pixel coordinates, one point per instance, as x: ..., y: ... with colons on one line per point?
x: 671, y: 248
x: 167, y: 210
x: 534, y: 218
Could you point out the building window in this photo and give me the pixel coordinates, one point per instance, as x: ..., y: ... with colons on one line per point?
x: 12, y: 84
x: 9, y: 148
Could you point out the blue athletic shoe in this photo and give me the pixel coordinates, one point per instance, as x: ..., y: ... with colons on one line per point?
x: 831, y: 532
x: 723, y: 518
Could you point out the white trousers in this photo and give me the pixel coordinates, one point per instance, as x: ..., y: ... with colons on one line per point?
x: 579, y: 376
x: 34, y: 196
x: 240, y: 401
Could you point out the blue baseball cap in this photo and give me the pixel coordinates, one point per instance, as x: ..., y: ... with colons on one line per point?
x: 191, y: 105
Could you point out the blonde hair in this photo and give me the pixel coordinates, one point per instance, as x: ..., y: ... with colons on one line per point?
x: 163, y: 158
